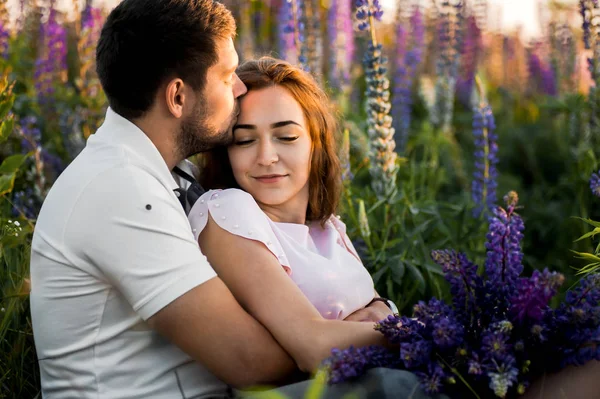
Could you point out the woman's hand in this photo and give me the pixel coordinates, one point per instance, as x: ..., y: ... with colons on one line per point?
x: 375, y: 312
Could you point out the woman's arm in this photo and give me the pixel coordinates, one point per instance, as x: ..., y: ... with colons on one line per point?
x: 260, y: 284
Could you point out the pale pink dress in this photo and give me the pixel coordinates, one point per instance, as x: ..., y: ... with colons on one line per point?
x: 321, y: 261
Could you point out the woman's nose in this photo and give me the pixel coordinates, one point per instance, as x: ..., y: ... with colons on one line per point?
x: 267, y: 153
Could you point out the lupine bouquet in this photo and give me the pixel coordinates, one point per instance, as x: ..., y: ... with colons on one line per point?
x: 498, y: 335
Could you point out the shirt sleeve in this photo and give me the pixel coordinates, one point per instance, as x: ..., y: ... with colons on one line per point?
x: 237, y: 212
x: 133, y: 229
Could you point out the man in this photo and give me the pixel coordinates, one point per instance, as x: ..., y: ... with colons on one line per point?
x: 123, y: 303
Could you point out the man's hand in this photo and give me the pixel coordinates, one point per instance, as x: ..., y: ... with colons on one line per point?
x: 375, y: 312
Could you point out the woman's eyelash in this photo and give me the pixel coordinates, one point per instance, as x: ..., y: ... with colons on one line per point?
x: 242, y: 142
x: 290, y: 138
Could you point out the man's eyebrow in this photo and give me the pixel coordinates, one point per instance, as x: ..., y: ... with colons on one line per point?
x: 229, y: 71
x: 272, y: 126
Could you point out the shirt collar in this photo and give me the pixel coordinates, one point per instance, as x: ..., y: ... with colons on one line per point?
x: 140, y: 150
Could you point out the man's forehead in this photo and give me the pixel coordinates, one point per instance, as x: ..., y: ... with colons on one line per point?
x: 228, y: 57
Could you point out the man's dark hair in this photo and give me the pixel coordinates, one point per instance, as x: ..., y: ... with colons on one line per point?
x: 144, y: 43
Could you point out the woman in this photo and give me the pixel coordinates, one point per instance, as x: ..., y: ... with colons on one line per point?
x: 294, y: 268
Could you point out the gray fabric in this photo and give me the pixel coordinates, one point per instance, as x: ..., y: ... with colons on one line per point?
x: 379, y: 383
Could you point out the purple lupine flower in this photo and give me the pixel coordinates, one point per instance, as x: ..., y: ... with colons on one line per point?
x: 586, y: 8
x: 595, y: 183
x: 31, y: 140
x: 495, y: 345
x: 428, y: 312
x: 287, y: 42
x: 345, y: 365
x: 503, y: 263
x: 447, y: 333
x: 409, y: 51
x: 341, y: 36
x: 91, y: 25
x: 4, y: 32
x: 52, y: 62
x: 533, y: 295
x: 465, y: 284
x: 294, y: 25
x: 485, y: 176
x: 540, y: 72
x: 470, y: 53
x: 416, y: 353
x: 432, y: 380
x: 365, y: 9
x: 25, y: 203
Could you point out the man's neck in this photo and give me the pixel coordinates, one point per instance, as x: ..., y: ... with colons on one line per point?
x: 160, y: 133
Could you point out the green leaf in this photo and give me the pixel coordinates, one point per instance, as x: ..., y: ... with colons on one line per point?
x: 590, y: 234
x: 6, y: 183
x: 588, y: 221
x: 418, y: 277
x: 6, y: 129
x: 398, y: 271
x: 6, y: 105
x: 377, y: 275
x: 12, y: 164
x: 587, y: 256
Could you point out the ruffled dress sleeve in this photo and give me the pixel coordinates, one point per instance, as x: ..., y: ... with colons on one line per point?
x: 237, y: 212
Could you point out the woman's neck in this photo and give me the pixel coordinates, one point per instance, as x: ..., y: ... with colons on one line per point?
x: 291, y: 211
x: 285, y: 213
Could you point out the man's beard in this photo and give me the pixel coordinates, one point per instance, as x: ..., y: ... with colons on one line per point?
x: 197, y: 135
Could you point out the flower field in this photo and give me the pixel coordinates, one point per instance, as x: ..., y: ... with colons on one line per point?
x: 441, y: 117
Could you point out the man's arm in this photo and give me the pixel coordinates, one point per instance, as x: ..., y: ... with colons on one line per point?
x: 208, y: 324
x: 142, y: 244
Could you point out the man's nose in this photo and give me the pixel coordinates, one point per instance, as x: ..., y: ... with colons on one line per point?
x: 239, y: 88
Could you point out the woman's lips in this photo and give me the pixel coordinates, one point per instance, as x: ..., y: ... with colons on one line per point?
x: 270, y: 178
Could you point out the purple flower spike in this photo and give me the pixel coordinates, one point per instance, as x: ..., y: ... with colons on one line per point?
x: 503, y: 264
x: 465, y: 284
x: 53, y: 60
x: 595, y: 184
x: 409, y: 54
x: 432, y: 380
x: 534, y: 293
x: 348, y: 364
x: 341, y: 35
x: 483, y: 187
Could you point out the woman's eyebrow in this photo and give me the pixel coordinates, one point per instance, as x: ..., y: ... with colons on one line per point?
x: 272, y: 126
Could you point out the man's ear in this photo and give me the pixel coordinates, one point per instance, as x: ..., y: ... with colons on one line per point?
x: 175, y: 97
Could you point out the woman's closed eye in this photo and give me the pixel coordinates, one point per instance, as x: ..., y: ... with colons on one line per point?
x: 288, y: 139
x: 242, y: 142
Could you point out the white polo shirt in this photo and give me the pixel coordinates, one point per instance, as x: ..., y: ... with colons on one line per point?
x: 112, y: 246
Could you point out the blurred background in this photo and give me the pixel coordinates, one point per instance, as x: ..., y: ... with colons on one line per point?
x: 445, y: 107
